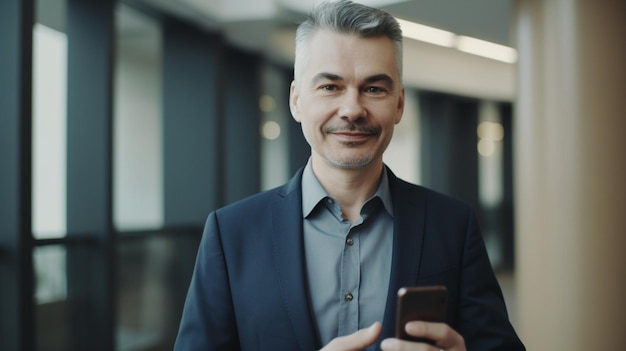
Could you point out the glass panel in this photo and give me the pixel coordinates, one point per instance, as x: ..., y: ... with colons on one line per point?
x: 275, y: 118
x: 490, y: 169
x: 49, y: 120
x: 137, y: 138
x: 153, y: 277
x: 51, y: 310
x: 50, y: 273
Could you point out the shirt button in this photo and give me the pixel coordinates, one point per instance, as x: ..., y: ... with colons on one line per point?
x: 349, y: 241
x: 348, y: 297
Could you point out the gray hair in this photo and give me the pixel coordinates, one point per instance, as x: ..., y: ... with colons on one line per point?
x: 347, y: 17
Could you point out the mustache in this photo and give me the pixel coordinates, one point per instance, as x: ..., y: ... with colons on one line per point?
x: 352, y: 127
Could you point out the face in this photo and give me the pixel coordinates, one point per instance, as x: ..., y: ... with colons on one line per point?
x: 348, y: 97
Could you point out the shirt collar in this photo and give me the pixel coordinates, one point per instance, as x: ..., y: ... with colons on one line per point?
x: 313, y: 192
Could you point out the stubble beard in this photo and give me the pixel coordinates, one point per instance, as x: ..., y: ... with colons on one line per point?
x: 350, y: 163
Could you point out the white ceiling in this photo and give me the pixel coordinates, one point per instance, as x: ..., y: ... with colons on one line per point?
x: 250, y: 23
x: 268, y: 27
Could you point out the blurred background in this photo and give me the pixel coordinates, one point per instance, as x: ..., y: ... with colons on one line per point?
x: 124, y: 123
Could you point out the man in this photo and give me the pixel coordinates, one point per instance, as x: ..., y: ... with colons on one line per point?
x: 318, y: 262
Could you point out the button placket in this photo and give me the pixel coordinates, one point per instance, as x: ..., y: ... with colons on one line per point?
x: 350, y: 283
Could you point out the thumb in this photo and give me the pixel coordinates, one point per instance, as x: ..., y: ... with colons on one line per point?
x: 356, y: 341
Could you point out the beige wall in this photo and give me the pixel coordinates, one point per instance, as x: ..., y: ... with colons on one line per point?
x: 570, y: 176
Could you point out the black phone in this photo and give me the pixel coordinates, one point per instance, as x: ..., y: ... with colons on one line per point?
x: 425, y: 303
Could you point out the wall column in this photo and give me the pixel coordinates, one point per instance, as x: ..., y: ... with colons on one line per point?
x: 241, y: 127
x: 192, y: 114
x: 570, y: 173
x: 16, y: 265
x: 90, y: 261
x: 448, y: 147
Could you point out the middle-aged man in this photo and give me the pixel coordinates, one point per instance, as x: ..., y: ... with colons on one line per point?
x: 317, y: 263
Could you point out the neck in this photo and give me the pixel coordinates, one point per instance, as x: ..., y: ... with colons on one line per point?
x: 351, y: 187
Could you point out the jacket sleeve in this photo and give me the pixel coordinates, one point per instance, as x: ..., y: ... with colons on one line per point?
x: 483, y: 319
x: 208, y: 321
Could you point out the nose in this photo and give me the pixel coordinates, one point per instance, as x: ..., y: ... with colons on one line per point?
x: 351, y: 107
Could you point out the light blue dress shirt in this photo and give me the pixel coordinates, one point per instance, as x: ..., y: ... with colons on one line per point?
x: 348, y: 264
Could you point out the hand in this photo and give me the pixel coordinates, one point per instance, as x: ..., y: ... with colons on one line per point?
x: 445, y: 338
x: 356, y: 341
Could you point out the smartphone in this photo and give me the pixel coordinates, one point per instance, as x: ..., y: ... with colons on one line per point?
x: 427, y: 303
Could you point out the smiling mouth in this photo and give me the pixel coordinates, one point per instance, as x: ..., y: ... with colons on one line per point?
x: 353, y: 136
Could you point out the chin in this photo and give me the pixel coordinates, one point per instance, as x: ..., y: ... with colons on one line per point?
x: 351, y: 163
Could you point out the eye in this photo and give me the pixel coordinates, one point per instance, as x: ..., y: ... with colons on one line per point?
x: 374, y: 90
x: 329, y: 87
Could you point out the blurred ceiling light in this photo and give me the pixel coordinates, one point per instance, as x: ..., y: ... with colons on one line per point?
x: 463, y: 43
x: 490, y: 130
x: 427, y: 34
x: 270, y: 130
x: 486, y: 49
x: 486, y: 147
x: 266, y: 103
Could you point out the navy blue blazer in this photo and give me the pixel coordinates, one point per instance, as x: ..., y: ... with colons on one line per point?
x: 249, y: 288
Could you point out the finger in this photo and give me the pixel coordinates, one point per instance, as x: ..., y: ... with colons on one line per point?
x: 393, y: 344
x: 444, y: 337
x: 355, y: 341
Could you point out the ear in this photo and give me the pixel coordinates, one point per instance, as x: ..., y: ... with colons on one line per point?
x: 293, y: 101
x: 400, y: 108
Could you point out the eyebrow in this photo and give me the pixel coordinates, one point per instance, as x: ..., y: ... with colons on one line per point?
x: 384, y: 78
x: 325, y: 76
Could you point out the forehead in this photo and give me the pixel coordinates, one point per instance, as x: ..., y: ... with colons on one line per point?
x: 347, y: 54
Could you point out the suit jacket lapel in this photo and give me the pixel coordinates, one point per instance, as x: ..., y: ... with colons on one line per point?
x: 409, y: 219
x: 289, y: 261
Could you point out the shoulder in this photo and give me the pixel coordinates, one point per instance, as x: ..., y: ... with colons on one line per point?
x: 261, y: 202
x: 404, y: 192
